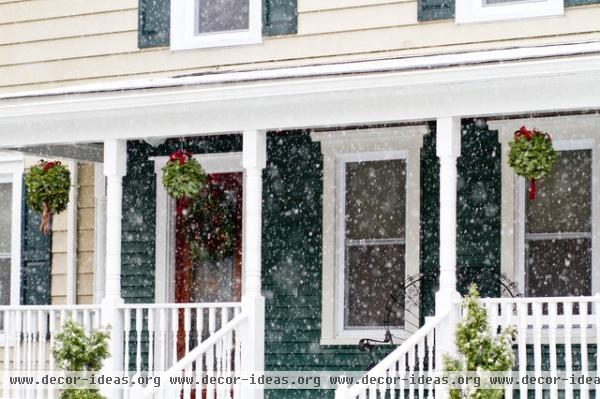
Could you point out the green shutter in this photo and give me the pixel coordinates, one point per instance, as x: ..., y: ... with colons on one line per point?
x: 280, y: 17
x: 429, y: 10
x: 36, y: 256
x: 154, y: 23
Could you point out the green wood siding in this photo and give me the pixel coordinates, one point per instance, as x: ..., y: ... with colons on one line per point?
x: 36, y: 257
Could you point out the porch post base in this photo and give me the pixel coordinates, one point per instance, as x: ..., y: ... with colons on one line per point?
x: 253, y: 343
x: 113, y: 320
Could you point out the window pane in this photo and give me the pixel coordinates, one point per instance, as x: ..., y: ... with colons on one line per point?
x: 559, y: 267
x: 375, y: 199
x: 563, y: 202
x: 221, y: 15
x: 373, y: 273
x: 5, y: 216
x: 4, y: 281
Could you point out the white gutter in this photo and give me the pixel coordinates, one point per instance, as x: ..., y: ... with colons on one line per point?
x: 332, y: 69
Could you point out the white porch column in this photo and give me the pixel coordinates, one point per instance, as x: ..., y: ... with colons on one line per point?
x: 115, y: 165
x: 448, y: 150
x: 253, y: 303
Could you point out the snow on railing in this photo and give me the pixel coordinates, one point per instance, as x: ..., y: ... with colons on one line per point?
x: 27, y: 336
x: 217, y: 356
x: 548, y: 330
x: 414, y: 357
x: 157, y: 335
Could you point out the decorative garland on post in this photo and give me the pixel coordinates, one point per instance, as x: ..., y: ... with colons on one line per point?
x: 531, y: 155
x: 48, y: 185
x: 183, y: 178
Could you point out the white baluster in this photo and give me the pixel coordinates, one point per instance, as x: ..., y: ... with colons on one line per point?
x: 402, y: 372
x: 126, y: 330
x: 187, y: 327
x: 162, y: 334
x: 597, y: 314
x: 507, y: 312
x: 552, y: 326
x: 41, y: 342
x: 537, y: 346
x: 568, y: 310
x: 429, y: 341
x: 17, y: 334
x: 237, y: 362
x: 200, y: 324
x: 7, y: 324
x: 210, y: 354
x: 522, y: 344
x: 52, y: 330
x: 174, y: 330
x: 411, y: 371
x: 138, y: 333
x: 421, y: 361
x: 87, y: 324
x: 583, y: 310
x: 151, y: 329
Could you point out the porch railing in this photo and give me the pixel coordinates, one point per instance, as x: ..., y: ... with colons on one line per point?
x: 157, y: 335
x: 553, y: 335
x: 414, y: 357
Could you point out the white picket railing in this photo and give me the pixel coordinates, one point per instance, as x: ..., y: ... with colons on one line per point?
x: 414, y: 357
x: 27, y: 337
x: 156, y: 335
x: 549, y: 328
x: 217, y: 356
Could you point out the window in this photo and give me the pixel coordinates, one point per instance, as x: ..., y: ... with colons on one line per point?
x: 558, y: 229
x: 372, y: 212
x: 493, y: 10
x: 371, y: 197
x: 5, y: 237
x: 550, y: 246
x: 214, y: 23
x: 11, y: 175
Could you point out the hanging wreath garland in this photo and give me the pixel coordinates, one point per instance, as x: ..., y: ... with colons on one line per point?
x: 211, y: 225
x: 183, y: 178
x: 531, y: 155
x: 48, y: 185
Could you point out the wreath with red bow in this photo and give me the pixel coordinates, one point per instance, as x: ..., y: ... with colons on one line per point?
x: 48, y: 185
x: 531, y: 155
x: 183, y: 177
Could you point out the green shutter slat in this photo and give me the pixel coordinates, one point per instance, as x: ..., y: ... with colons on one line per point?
x: 280, y: 17
x: 154, y: 23
x: 36, y: 258
x: 429, y: 10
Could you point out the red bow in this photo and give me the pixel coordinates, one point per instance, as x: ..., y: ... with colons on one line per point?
x: 524, y: 132
x: 50, y: 165
x: 181, y: 155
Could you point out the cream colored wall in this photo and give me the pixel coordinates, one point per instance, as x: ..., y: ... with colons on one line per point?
x: 46, y: 43
x: 85, y: 240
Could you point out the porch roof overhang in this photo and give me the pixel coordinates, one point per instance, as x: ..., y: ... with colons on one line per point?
x: 476, y: 84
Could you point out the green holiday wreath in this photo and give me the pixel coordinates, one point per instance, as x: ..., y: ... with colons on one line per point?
x: 48, y: 185
x: 531, y: 155
x: 210, y: 225
x: 183, y: 177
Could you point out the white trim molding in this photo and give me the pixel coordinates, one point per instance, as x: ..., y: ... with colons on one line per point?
x: 405, y: 141
x: 568, y: 132
x: 229, y: 162
x: 468, y: 11
x: 185, y: 36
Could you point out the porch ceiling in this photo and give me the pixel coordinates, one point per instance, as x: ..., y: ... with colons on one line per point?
x: 422, y: 88
x: 91, y: 152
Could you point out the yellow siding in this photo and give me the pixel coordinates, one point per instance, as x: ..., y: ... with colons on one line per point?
x: 45, y: 43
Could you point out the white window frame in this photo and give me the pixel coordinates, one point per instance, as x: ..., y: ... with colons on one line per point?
x: 469, y: 11
x: 339, y: 147
x: 567, y: 132
x: 183, y: 28
x: 230, y: 162
x: 11, y: 171
x: 521, y: 198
